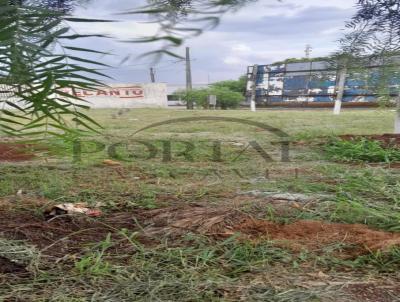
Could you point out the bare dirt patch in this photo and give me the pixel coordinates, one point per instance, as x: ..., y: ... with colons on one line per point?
x: 14, y: 152
x: 312, y: 235
x: 315, y: 235
x: 60, y: 236
x: 9, y: 267
x: 70, y: 234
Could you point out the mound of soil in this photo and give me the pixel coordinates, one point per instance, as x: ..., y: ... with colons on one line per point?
x: 315, y: 235
x: 386, y: 140
x: 224, y: 222
x: 13, y: 152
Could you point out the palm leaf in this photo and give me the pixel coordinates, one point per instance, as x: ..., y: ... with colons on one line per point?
x: 32, y: 73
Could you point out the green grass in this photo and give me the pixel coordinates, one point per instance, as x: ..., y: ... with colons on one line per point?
x: 203, y: 271
x: 197, y: 268
x: 301, y: 124
x: 362, y: 150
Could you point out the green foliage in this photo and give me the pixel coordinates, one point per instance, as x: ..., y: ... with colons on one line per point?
x: 388, y: 261
x: 61, y: 5
x: 374, y: 29
x: 351, y: 210
x: 300, y: 60
x: 93, y: 263
x: 35, y: 70
x: 362, y: 150
x: 226, y: 98
x: 233, y: 85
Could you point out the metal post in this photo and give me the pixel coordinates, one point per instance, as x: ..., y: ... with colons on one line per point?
x: 253, y: 88
x: 340, y: 91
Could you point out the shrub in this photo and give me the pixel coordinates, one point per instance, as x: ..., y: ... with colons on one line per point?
x: 233, y: 85
x: 226, y: 98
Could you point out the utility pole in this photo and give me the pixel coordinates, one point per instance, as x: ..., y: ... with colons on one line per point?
x: 340, y: 90
x: 152, y: 75
x: 253, y: 88
x: 189, y: 86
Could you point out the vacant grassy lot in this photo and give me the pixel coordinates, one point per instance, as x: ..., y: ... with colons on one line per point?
x: 206, y: 209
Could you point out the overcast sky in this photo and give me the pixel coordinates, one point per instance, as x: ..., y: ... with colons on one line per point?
x: 260, y: 33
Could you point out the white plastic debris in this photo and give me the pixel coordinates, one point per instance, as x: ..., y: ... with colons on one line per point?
x: 301, y: 198
x: 72, y: 208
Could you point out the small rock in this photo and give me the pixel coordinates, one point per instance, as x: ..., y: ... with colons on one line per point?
x: 110, y: 162
x: 290, y: 197
x: 320, y: 275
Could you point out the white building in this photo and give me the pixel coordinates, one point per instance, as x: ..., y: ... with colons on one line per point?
x: 124, y: 96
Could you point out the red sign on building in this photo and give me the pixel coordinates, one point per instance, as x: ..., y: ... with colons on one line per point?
x: 128, y: 92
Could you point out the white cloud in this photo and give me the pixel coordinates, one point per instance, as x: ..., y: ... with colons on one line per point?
x: 121, y: 30
x: 285, y: 8
x: 333, y: 30
x: 232, y: 60
x: 262, y: 32
x: 342, y: 4
x: 241, y: 48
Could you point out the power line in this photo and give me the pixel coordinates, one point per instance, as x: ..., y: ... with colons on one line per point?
x: 168, y: 65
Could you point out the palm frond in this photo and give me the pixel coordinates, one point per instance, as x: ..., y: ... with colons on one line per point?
x: 32, y: 72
